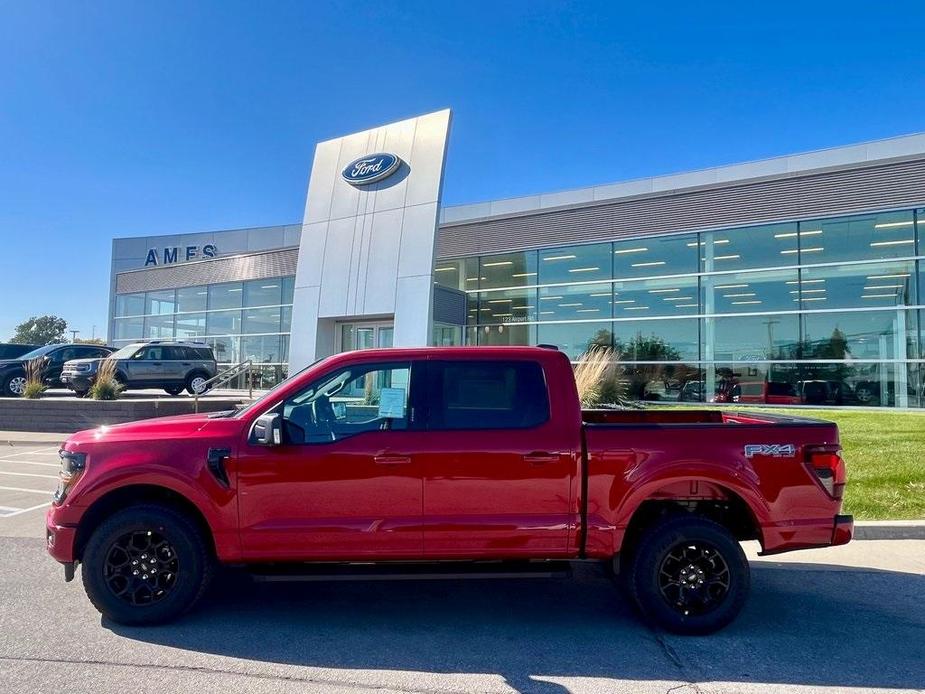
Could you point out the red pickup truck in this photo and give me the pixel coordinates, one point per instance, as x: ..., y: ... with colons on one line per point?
x: 478, y: 456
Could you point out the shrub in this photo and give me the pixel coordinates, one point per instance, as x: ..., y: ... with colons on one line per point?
x: 34, y: 386
x: 597, y: 379
x: 106, y: 386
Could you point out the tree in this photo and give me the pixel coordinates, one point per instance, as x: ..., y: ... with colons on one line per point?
x: 90, y: 341
x: 40, y: 330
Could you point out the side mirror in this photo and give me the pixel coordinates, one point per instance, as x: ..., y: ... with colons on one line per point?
x: 267, y: 430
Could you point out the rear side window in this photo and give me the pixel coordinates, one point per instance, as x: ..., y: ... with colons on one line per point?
x: 203, y: 353
x: 486, y: 395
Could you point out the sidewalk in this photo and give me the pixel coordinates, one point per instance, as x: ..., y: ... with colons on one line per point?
x: 28, y: 438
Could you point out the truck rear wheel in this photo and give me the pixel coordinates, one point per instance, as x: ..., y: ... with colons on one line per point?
x: 146, y: 564
x: 689, y: 575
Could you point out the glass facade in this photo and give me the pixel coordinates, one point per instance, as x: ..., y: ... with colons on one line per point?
x: 239, y: 320
x: 820, y: 312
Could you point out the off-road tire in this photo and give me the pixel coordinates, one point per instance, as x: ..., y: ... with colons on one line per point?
x: 193, y: 571
x: 682, y: 534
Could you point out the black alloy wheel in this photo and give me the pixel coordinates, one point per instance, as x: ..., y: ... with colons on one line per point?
x: 146, y: 564
x: 141, y: 567
x: 688, y: 575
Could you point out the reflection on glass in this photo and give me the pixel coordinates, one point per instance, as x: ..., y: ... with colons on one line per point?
x: 575, y: 339
x: 656, y: 340
x: 506, y: 306
x: 192, y: 298
x: 751, y: 338
x: 861, y: 237
x: 574, y: 302
x: 575, y: 263
x: 859, y: 286
x: 227, y: 295
x: 860, y: 335
x: 749, y: 247
x: 508, y: 270
x: 191, y: 325
x: 130, y: 304
x: 751, y: 292
x: 261, y: 320
x: 263, y: 292
x: 666, y: 255
x: 655, y: 297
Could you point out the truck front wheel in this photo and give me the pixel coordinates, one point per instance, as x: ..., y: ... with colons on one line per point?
x: 689, y: 575
x: 145, y: 565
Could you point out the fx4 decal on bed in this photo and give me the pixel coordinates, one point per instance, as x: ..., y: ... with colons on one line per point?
x: 774, y: 450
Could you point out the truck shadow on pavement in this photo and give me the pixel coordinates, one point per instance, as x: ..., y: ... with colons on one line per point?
x: 806, y: 624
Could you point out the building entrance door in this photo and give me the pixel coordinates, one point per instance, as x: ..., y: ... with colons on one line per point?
x: 351, y: 336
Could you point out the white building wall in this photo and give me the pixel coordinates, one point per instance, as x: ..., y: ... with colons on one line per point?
x: 367, y: 252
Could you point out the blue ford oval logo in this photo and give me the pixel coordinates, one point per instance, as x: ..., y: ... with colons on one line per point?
x: 371, y: 168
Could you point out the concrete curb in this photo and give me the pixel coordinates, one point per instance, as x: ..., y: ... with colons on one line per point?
x: 890, y: 530
x: 29, y: 438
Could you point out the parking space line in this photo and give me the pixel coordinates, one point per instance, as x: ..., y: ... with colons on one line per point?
x: 23, y: 489
x: 9, y: 508
x: 29, y: 474
x: 25, y: 510
x: 30, y: 462
x: 35, y: 452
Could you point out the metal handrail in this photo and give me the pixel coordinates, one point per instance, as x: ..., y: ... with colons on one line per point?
x: 223, y: 377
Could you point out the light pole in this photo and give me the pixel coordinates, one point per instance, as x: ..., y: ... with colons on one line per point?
x: 74, y: 335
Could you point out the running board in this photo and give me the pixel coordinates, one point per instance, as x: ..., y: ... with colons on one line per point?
x: 410, y: 571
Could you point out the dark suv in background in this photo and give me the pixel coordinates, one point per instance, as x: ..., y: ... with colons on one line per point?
x: 8, y: 350
x: 13, y: 371
x: 166, y: 364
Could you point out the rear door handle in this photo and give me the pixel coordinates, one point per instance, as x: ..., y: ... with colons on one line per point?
x: 392, y: 459
x: 541, y: 458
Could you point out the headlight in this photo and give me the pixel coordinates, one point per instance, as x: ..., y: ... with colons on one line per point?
x: 72, y: 467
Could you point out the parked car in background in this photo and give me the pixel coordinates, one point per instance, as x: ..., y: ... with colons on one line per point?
x: 765, y: 393
x: 8, y: 350
x: 167, y: 364
x: 692, y: 391
x: 820, y: 392
x: 13, y: 371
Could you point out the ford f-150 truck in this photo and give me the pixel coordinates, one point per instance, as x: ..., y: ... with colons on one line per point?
x: 477, y: 456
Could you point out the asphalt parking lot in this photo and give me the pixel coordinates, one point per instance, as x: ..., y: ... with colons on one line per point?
x: 845, y: 619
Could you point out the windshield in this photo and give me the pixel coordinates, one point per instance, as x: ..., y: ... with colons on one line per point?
x: 126, y: 351
x: 40, y: 352
x: 267, y: 397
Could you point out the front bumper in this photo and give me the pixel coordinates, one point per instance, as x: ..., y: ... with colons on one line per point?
x: 76, y: 381
x: 59, y: 539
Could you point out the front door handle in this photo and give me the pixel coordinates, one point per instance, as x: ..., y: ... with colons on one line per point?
x: 392, y: 459
x: 541, y: 458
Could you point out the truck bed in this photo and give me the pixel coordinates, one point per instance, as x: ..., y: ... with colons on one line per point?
x: 665, y: 417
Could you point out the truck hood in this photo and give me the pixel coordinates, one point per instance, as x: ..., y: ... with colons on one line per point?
x: 178, y: 426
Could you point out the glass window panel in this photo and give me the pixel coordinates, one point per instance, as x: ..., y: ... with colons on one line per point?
x: 223, y: 322
x: 748, y: 292
x: 263, y: 292
x: 192, y: 298
x: 507, y: 270
x: 129, y: 328
x: 130, y: 304
x: 859, y: 335
x: 191, y: 324
x: 915, y: 376
x: 288, y: 289
x: 575, y: 264
x: 158, y: 327
x: 660, y: 382
x: 261, y: 349
x: 748, y: 247
x: 657, y: 340
x: 574, y: 339
x: 284, y: 348
x: 863, y: 237
x: 751, y: 338
x: 658, y: 297
x: 285, y: 324
x: 506, y: 306
x: 492, y: 335
x: 578, y: 301
x: 226, y: 348
x: 261, y: 320
x: 755, y: 384
x: 665, y: 255
x: 458, y: 274
x: 161, y: 302
x: 226, y: 295
x: 866, y: 285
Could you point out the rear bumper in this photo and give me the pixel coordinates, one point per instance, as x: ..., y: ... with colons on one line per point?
x: 786, y: 537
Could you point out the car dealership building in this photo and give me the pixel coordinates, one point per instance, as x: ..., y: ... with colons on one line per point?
x: 792, y: 279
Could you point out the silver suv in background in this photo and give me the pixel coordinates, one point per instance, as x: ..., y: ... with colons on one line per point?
x: 167, y: 364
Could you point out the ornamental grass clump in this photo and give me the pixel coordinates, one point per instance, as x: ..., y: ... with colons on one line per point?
x: 106, y: 386
x: 34, y: 387
x: 597, y: 379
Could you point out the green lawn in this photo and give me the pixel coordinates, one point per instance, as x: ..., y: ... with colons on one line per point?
x: 885, y: 455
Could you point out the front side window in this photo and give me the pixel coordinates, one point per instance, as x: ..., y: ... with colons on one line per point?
x: 350, y: 401
x: 486, y: 395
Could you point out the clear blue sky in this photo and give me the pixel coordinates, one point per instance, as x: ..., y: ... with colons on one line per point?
x: 131, y: 118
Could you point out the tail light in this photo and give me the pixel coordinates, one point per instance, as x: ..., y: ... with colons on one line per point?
x: 827, y: 464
